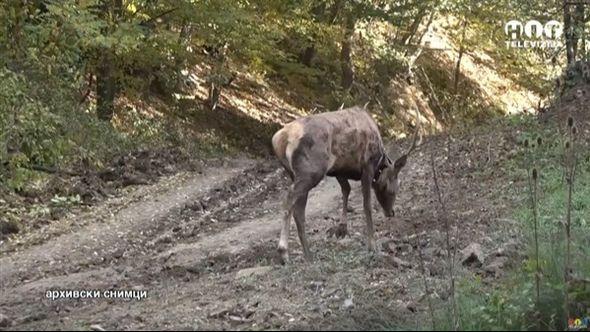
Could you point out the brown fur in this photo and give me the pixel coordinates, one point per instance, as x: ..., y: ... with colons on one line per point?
x: 348, y: 138
x: 345, y: 144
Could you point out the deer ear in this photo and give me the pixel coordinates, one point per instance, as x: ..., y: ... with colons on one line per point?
x: 399, y: 164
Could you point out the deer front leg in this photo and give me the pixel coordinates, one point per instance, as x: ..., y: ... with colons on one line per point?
x: 366, y: 185
x: 344, y: 227
x: 299, y: 214
x: 296, y: 203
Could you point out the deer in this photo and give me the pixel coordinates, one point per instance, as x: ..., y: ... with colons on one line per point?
x: 345, y: 144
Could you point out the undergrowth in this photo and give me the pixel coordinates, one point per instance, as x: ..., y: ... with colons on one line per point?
x: 511, y: 303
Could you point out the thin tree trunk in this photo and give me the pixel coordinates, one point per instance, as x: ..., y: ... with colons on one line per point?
x: 335, y: 10
x: 399, y: 30
x: 184, y: 38
x: 308, y: 55
x: 428, y: 24
x: 345, y: 55
x: 577, y: 24
x: 414, y: 27
x: 106, y: 83
x: 580, y: 30
x: 221, y: 81
x: 458, y: 70
x: 318, y: 12
x: 106, y: 89
x: 460, y: 57
x: 568, y: 28
x: 214, y: 94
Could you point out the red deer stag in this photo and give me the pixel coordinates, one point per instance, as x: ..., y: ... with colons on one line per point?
x: 345, y: 144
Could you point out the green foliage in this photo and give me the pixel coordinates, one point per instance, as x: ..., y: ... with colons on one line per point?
x: 485, y: 20
x: 52, y: 50
x: 60, y: 201
x: 52, y: 54
x: 510, y: 305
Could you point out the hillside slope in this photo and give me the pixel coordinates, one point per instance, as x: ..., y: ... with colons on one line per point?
x: 271, y: 102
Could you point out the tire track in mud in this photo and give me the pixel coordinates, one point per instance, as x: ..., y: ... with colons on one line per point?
x: 125, y: 233
x: 324, y: 198
x: 152, y: 242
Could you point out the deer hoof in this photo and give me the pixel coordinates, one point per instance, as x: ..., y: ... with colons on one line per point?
x: 284, y: 259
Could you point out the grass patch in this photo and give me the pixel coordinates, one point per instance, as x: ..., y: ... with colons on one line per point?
x: 511, y: 304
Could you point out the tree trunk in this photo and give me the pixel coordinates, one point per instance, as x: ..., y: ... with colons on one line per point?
x: 428, y: 24
x: 222, y: 77
x: 319, y: 15
x: 569, y: 33
x: 414, y: 27
x: 345, y: 55
x: 398, y: 30
x: 335, y: 10
x: 106, y: 87
x: 580, y: 32
x: 308, y: 55
x: 184, y: 38
x: 460, y: 57
x: 106, y: 83
x: 458, y: 70
x: 213, y: 98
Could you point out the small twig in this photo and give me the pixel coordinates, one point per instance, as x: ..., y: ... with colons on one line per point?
x: 489, y: 153
x: 425, y: 281
x: 570, y: 165
x: 450, y: 257
x: 411, y: 61
x: 434, y: 96
x: 54, y: 170
x: 533, y: 181
x: 88, y: 89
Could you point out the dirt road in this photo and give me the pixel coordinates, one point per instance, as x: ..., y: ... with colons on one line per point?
x: 203, y: 247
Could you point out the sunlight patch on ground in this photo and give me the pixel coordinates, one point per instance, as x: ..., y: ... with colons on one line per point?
x: 480, y: 67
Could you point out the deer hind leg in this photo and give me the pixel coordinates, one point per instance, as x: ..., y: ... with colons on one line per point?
x: 295, y: 205
x: 301, y: 191
x: 285, y: 228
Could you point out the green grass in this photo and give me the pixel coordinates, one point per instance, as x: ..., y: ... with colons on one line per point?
x: 510, y: 304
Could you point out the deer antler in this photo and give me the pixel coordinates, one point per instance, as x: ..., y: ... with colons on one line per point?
x: 416, y: 132
x: 401, y: 161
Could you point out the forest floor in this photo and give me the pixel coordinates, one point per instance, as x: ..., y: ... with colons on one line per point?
x: 203, y: 245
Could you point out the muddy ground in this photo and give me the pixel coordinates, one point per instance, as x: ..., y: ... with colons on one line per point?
x: 203, y: 245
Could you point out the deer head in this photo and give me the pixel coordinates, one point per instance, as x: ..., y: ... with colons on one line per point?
x: 386, y: 183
